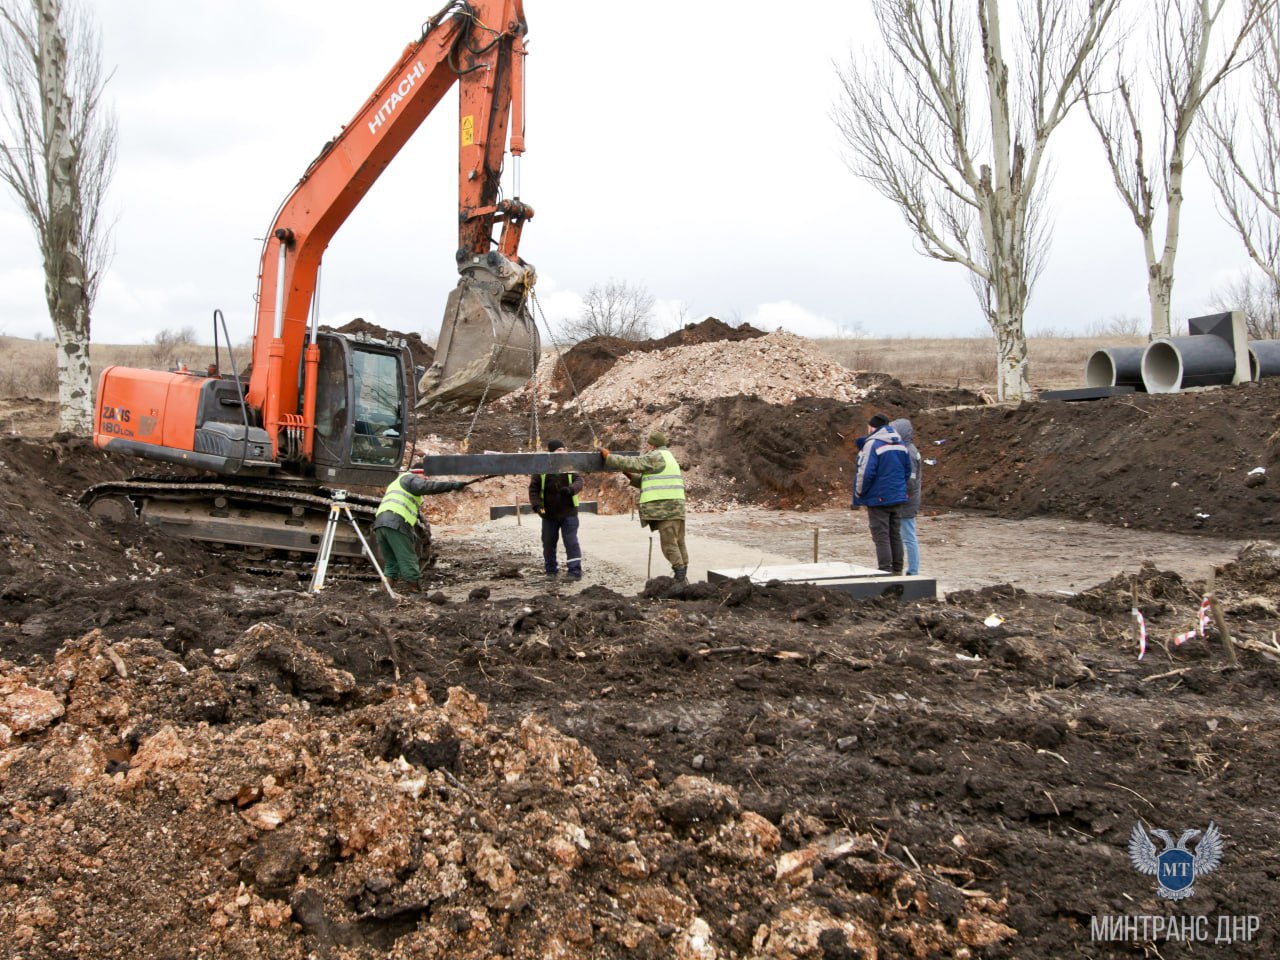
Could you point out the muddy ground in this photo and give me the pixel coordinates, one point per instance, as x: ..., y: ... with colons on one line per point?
x: 196, y: 761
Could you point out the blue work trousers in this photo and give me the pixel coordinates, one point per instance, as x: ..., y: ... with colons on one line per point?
x: 910, y: 544
x: 553, y: 529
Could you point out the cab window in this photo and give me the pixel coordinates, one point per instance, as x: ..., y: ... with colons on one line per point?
x: 379, y: 410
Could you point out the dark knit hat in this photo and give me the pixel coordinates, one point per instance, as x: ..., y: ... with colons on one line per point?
x: 555, y: 444
x: 877, y: 421
x: 658, y: 439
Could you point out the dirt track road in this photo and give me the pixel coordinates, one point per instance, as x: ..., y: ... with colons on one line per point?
x: 963, y: 551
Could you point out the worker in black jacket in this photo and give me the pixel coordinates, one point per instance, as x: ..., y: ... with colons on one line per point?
x: 554, y: 497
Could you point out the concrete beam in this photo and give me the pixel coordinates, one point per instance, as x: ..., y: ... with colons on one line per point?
x: 530, y: 464
x: 589, y: 506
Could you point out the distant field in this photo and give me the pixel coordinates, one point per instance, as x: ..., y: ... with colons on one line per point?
x: 27, y: 366
x: 1056, y: 362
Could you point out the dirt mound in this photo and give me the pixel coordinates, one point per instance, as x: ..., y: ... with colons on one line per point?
x: 1199, y: 461
x: 1191, y: 461
x: 587, y: 361
x: 423, y: 354
x: 778, y: 367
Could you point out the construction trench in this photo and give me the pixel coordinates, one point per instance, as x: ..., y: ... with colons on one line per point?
x: 200, y: 761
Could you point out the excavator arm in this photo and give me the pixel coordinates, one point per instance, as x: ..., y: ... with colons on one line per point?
x: 487, y: 335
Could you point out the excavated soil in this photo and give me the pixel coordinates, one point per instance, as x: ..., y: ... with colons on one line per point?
x: 199, y: 761
x: 587, y: 361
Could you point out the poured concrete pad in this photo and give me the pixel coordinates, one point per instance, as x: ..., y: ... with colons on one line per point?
x: 845, y: 577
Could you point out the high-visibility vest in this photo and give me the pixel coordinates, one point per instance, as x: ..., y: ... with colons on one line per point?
x: 400, y: 501
x: 543, y: 490
x: 667, y: 485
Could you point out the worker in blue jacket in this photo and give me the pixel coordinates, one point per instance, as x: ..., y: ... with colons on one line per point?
x: 880, y: 485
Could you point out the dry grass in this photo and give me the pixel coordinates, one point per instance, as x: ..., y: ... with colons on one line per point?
x: 1057, y: 363
x: 28, y: 367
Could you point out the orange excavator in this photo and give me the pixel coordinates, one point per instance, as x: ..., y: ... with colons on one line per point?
x: 316, y: 407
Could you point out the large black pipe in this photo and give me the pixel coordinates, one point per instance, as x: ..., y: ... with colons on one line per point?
x: 1264, y: 359
x: 1171, y: 364
x: 1115, y: 367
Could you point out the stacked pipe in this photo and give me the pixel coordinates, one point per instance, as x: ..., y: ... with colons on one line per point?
x: 1115, y: 367
x: 1216, y: 353
x: 1170, y: 364
x: 1264, y: 359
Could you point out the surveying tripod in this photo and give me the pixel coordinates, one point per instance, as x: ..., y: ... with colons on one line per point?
x: 337, y: 506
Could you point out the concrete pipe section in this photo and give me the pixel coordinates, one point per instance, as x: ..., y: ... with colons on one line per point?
x: 1171, y: 364
x: 1115, y: 367
x: 1264, y: 359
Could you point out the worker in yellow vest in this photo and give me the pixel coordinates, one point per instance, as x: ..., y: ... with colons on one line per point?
x: 395, y: 525
x: 661, y: 485
x: 554, y: 497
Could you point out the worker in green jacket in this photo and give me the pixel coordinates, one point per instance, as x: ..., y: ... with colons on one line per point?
x: 395, y: 525
x: 661, y: 485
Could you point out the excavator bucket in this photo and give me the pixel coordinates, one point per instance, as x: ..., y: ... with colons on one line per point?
x: 488, y: 342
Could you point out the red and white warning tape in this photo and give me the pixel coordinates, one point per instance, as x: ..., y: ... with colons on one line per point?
x: 1202, y: 621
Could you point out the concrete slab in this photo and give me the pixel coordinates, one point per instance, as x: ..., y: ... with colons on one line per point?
x: 904, y: 588
x: 846, y: 577
x: 1085, y: 393
x: 808, y: 572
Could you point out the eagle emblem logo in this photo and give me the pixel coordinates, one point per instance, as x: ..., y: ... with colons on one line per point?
x: 1176, y: 868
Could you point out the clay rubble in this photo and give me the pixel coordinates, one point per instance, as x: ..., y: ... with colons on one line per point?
x: 404, y: 827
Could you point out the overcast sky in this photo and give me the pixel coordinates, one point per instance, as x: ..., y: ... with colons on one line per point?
x: 685, y: 147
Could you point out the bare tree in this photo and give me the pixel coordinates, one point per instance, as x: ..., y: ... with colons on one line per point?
x: 942, y: 127
x: 57, y: 156
x: 170, y: 343
x: 617, y: 309
x: 1258, y: 297
x: 1246, y: 170
x: 1147, y: 148
x: 1117, y: 325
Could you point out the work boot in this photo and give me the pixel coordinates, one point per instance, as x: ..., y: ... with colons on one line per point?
x: 413, y: 586
x: 678, y: 573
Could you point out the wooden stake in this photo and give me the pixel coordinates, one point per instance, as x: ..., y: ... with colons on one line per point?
x: 1220, y: 621
x: 648, y: 571
x: 815, y: 544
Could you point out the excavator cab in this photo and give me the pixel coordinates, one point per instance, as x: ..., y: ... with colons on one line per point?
x: 361, y: 429
x: 488, y: 344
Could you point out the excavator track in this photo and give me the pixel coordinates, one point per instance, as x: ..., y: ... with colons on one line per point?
x: 275, y: 520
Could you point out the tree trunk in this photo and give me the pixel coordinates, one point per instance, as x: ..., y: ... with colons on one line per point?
x: 64, y: 265
x: 75, y: 378
x: 1160, y: 292
x: 1012, y: 382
